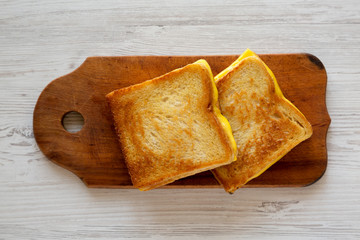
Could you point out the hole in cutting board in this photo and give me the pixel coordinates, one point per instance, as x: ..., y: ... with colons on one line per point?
x: 72, y: 121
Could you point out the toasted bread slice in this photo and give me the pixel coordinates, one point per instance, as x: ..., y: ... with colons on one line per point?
x: 265, y: 124
x: 170, y: 127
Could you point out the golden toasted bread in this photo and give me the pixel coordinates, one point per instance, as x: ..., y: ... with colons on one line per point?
x: 265, y: 124
x: 170, y: 127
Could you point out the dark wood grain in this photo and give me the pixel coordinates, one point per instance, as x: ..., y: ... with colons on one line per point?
x: 94, y: 155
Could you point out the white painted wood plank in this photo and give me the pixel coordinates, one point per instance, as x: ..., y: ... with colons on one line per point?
x: 42, y: 40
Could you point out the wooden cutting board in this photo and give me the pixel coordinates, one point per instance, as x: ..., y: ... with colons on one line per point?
x: 94, y: 155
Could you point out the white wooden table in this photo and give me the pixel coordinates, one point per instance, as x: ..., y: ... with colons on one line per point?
x: 42, y: 40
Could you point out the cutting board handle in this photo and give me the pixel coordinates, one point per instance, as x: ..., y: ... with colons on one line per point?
x: 92, y: 153
x: 57, y: 99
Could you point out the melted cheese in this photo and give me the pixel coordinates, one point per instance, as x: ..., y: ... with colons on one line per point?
x: 224, y: 122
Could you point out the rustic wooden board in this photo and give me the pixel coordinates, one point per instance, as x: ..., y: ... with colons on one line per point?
x: 93, y: 153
